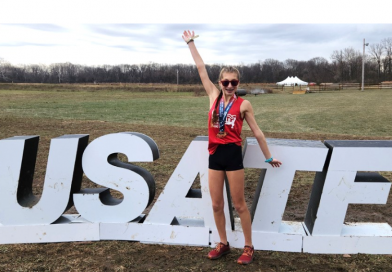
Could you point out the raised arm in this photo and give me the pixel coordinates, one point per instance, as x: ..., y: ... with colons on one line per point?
x: 211, y: 89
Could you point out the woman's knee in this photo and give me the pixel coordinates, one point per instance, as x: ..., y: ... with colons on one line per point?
x: 217, y: 206
x: 240, y: 207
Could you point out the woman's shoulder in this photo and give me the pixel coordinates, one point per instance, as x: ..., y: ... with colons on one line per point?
x: 242, y: 100
x: 245, y: 104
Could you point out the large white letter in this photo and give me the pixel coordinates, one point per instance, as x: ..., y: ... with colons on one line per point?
x: 100, y: 164
x: 340, y: 184
x: 63, y: 177
x: 275, y: 183
x: 178, y: 203
x: 269, y: 231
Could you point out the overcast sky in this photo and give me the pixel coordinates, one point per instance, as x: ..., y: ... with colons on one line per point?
x: 26, y: 38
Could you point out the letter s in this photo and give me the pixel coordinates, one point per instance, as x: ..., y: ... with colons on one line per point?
x: 101, y: 165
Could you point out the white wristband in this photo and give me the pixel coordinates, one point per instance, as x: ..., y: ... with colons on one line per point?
x: 192, y: 39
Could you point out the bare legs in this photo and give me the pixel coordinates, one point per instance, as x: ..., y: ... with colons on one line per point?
x: 236, y: 183
x: 215, y: 183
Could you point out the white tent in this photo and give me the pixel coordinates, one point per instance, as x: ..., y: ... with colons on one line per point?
x: 291, y: 81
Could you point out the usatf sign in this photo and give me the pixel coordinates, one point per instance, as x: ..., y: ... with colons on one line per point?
x: 346, y: 172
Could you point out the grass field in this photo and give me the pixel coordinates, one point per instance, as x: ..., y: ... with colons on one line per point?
x: 345, y: 112
x: 173, y: 119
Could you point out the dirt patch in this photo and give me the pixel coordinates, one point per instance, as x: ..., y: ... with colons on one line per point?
x: 134, y: 256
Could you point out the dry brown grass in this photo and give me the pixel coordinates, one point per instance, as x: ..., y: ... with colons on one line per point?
x: 131, y: 256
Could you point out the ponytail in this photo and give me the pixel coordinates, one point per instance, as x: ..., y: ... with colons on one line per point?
x: 215, y: 115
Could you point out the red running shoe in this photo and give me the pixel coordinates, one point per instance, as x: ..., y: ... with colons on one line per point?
x: 220, y: 250
x: 247, y: 256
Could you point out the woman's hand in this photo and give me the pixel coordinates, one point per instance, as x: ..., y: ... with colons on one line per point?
x: 188, y: 35
x: 275, y: 163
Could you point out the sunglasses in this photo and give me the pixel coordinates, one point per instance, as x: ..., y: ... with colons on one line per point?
x: 226, y: 83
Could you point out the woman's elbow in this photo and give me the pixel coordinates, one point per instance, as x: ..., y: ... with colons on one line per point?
x: 259, y: 135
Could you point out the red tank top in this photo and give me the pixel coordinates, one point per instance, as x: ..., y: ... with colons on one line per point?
x: 233, y: 127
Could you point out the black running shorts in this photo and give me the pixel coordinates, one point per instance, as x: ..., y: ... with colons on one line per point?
x: 227, y: 157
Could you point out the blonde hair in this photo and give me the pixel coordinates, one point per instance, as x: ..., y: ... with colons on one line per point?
x: 229, y: 69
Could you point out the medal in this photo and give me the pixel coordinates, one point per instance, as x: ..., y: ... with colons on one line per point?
x: 222, y: 116
x: 221, y: 134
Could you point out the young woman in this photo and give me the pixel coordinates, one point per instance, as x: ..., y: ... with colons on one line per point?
x: 226, y: 115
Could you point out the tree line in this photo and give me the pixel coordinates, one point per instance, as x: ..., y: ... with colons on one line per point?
x: 345, y: 67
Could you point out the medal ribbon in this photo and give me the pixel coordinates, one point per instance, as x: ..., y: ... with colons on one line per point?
x: 223, y: 112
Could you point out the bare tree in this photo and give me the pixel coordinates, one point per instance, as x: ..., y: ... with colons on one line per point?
x: 291, y: 67
x: 353, y: 67
x: 376, y: 51
x: 319, y: 70
x: 273, y: 70
x: 57, y: 71
x: 339, y: 64
x: 387, y: 44
x: 3, y: 70
x: 35, y: 73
